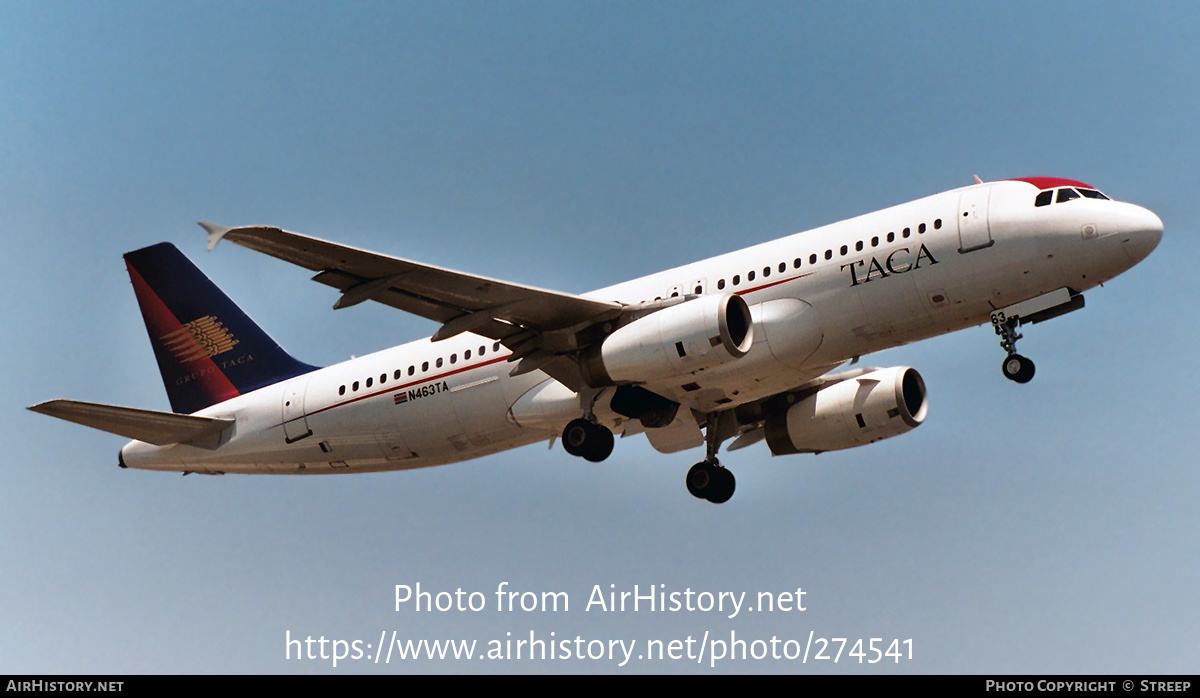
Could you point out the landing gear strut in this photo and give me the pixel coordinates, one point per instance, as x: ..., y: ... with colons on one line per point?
x: 587, y: 439
x: 1015, y: 367
x: 708, y: 479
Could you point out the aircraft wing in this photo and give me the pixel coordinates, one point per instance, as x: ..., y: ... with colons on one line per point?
x: 532, y: 322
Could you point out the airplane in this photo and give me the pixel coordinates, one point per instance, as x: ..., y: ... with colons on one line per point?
x: 744, y: 346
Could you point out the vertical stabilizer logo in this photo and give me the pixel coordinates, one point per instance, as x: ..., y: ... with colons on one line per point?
x: 199, y: 339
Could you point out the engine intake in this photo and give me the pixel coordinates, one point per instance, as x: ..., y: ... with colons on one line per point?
x: 857, y: 411
x: 671, y: 342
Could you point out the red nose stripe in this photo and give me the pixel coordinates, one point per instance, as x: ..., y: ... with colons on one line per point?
x: 1050, y: 182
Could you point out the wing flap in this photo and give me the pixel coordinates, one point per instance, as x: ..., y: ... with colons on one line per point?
x: 158, y: 428
x: 423, y: 289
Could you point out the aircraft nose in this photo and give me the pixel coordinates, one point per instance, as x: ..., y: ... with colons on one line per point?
x: 1144, y: 231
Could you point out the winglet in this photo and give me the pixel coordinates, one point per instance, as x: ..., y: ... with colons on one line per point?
x: 215, y: 233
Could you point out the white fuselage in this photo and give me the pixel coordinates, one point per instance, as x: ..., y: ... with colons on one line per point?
x: 818, y: 298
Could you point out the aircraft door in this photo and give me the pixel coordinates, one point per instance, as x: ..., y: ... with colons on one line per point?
x: 973, y: 230
x: 295, y: 422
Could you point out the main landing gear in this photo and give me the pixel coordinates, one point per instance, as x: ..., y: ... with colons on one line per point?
x: 1015, y: 367
x: 584, y: 437
x: 587, y: 439
x: 708, y: 479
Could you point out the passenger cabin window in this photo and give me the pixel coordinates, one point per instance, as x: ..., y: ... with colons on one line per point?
x: 721, y: 284
x: 1066, y: 194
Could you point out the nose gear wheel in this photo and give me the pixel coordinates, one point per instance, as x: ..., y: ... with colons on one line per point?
x: 1015, y: 367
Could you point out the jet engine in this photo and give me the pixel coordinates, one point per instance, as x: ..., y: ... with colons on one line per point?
x: 853, y: 412
x: 675, y: 341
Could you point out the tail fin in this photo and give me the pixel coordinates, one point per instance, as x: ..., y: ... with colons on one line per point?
x: 208, y: 350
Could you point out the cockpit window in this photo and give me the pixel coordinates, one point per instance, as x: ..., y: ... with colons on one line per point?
x: 1046, y: 197
x: 1066, y: 194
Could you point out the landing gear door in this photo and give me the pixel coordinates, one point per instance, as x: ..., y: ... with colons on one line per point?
x: 973, y: 231
x: 295, y: 423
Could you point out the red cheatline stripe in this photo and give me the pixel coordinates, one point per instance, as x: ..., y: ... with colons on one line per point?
x: 405, y: 386
x: 447, y: 374
x: 773, y: 283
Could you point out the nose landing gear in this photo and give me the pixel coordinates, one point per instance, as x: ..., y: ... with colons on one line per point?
x: 1015, y: 367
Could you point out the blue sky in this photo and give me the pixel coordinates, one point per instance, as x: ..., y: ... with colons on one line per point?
x: 1041, y: 528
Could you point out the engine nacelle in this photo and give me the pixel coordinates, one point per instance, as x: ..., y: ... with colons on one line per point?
x: 675, y: 341
x: 854, y: 412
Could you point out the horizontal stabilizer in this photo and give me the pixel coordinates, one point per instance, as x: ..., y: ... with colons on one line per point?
x: 158, y: 428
